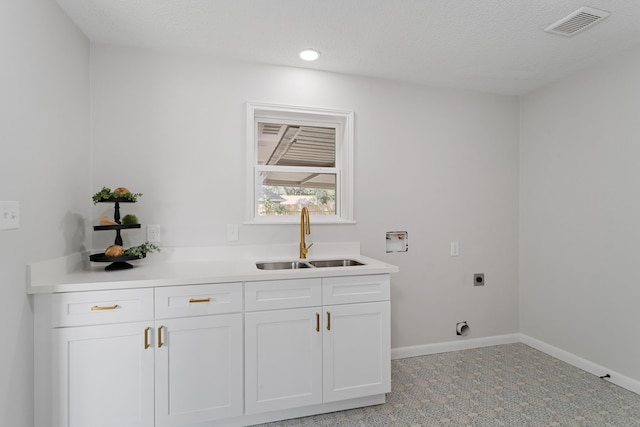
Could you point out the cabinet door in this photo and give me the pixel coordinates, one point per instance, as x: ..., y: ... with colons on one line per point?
x: 103, y: 376
x: 198, y: 369
x: 356, y: 350
x: 283, y: 359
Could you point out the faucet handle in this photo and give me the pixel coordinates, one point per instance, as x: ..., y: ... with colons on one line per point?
x: 304, y: 250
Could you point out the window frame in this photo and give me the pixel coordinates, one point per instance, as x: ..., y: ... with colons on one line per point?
x: 342, y: 120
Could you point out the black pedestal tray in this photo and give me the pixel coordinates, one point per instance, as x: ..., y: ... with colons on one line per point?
x: 116, y: 227
x: 117, y: 262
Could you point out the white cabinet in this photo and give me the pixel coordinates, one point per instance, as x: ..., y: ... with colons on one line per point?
x: 163, y: 372
x: 198, y: 368
x: 283, y: 344
x: 323, y: 353
x: 102, y: 365
x: 283, y: 359
x: 211, y: 354
x: 356, y: 351
x: 198, y: 373
x: 102, y: 376
x: 357, y: 336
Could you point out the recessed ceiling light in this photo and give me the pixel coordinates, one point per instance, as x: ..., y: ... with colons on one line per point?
x: 309, y: 54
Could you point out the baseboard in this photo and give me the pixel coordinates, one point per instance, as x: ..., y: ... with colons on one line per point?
x: 593, y: 368
x: 444, y: 347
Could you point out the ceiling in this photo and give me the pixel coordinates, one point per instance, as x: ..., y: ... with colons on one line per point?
x: 494, y: 46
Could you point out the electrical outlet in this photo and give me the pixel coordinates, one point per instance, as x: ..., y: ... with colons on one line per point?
x: 232, y: 232
x: 454, y: 249
x: 9, y: 215
x: 153, y: 233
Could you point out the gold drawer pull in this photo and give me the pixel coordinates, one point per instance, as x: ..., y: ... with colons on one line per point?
x: 328, y: 321
x: 160, y: 343
x: 146, y: 337
x: 196, y: 300
x: 317, y: 322
x: 104, y: 307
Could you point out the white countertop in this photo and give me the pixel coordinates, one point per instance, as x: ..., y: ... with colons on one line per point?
x: 189, y: 266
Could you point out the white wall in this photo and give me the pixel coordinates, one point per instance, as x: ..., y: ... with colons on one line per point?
x: 44, y: 140
x: 440, y: 164
x: 580, y: 214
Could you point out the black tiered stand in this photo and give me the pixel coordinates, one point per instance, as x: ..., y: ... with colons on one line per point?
x: 120, y: 262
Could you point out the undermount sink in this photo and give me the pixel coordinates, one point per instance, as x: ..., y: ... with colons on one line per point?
x: 292, y: 265
x: 335, y: 263
x: 282, y: 265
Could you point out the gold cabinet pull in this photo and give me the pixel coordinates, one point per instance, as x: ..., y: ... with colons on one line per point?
x: 317, y: 322
x: 146, y: 337
x: 104, y: 307
x: 160, y: 343
x: 328, y: 321
x: 196, y: 300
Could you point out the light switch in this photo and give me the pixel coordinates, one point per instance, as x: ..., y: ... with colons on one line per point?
x: 9, y: 215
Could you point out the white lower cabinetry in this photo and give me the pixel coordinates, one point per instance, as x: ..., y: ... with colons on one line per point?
x: 356, y: 351
x: 211, y: 355
x: 163, y: 372
x: 283, y: 359
x: 304, y: 356
x: 102, y: 376
x: 198, y: 373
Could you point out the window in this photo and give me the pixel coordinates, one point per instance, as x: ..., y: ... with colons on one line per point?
x: 299, y: 157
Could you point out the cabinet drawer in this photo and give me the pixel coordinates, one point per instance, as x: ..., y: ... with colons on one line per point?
x: 100, y: 307
x: 276, y: 294
x: 198, y: 300
x: 353, y: 289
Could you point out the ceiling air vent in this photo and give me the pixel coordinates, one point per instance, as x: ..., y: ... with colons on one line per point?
x: 579, y: 20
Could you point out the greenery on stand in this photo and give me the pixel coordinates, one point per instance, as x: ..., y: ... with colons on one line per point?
x: 129, y: 219
x: 142, y: 250
x: 106, y: 195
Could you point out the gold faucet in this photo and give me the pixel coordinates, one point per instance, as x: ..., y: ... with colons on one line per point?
x: 304, y: 220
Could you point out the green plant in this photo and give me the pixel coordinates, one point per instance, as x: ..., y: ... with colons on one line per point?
x: 107, y: 194
x: 129, y: 219
x: 142, y: 250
